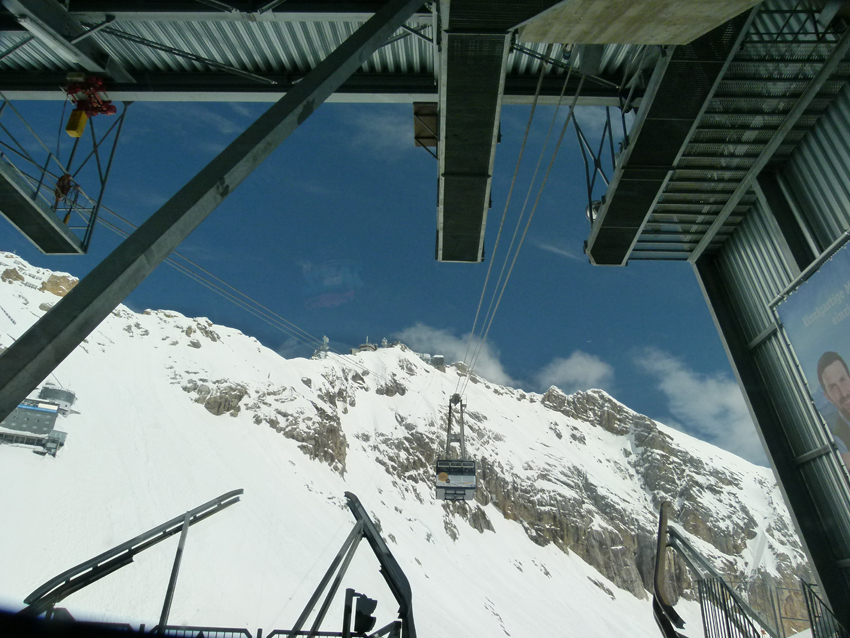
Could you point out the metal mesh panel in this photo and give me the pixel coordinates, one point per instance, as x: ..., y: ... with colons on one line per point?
x: 752, y: 120
x: 763, y: 105
x: 771, y: 87
x: 202, y: 632
x: 745, y: 136
x: 780, y: 71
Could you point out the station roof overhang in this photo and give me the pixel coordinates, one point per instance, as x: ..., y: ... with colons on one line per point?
x: 718, y: 113
x: 467, y: 57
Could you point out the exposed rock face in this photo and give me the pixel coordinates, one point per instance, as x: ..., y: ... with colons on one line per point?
x: 315, y: 427
x: 223, y: 397
x: 561, y: 503
x: 11, y: 275
x: 391, y: 388
x: 59, y: 285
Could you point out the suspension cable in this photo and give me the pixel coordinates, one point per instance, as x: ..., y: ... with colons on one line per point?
x: 507, y: 203
x: 488, y: 316
x: 269, y: 317
x: 306, y: 334
x: 528, y: 223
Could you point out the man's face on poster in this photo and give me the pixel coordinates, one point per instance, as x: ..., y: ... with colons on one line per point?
x: 836, y: 387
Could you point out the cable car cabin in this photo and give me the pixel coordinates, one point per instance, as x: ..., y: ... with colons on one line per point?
x: 455, y: 480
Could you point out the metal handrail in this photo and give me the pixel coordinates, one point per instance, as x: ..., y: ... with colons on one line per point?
x: 207, y: 632
x: 56, y: 588
x: 691, y: 555
x: 735, y: 621
x: 824, y: 622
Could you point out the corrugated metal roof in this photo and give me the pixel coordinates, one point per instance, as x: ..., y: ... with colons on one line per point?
x: 281, y: 47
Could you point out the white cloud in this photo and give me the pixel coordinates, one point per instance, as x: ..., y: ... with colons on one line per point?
x: 252, y: 110
x: 190, y: 117
x: 293, y: 348
x: 563, y: 252
x: 709, y: 407
x: 430, y: 340
x: 384, y: 131
x: 580, y: 371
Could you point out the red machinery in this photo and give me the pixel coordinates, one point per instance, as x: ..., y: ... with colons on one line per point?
x: 89, y: 99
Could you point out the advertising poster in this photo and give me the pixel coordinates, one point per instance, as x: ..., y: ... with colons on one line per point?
x: 816, y: 318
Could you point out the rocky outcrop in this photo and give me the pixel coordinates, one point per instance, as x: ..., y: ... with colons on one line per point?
x: 222, y: 397
x: 391, y: 387
x: 594, y: 407
x: 11, y: 275
x: 555, y: 503
x: 320, y: 437
x: 59, y: 285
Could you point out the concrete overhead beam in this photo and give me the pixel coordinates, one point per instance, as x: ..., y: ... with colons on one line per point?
x: 474, y: 47
x: 631, y: 21
x: 472, y: 82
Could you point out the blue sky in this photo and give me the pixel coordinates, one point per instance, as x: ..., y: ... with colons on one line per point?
x: 336, y: 232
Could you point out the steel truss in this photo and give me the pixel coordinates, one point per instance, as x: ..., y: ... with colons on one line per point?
x: 53, y: 337
x: 55, y: 186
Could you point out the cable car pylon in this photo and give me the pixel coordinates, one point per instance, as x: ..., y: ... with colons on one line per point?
x: 455, y: 476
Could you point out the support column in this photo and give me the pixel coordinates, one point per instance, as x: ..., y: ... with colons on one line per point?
x: 809, y: 509
x: 793, y: 234
x: 53, y: 337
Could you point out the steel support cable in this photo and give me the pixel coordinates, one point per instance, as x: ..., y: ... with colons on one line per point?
x: 181, y: 268
x: 306, y: 334
x: 272, y: 318
x: 507, y: 203
x: 30, y: 129
x: 490, y: 311
x: 530, y: 217
x: 528, y: 194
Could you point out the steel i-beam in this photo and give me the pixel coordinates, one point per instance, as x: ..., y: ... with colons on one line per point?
x: 53, y: 337
x: 51, y: 23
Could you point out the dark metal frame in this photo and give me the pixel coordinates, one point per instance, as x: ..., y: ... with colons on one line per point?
x: 805, y: 9
x: 44, y: 598
x: 824, y: 623
x: 586, y: 149
x: 725, y: 614
x: 390, y: 570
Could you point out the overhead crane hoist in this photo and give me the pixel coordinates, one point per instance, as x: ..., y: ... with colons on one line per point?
x: 87, y: 94
x: 455, y: 476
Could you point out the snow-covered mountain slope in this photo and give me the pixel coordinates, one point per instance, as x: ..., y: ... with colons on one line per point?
x: 174, y: 411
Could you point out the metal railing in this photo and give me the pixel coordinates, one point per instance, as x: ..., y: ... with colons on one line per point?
x: 824, y: 624
x: 200, y: 632
x: 722, y: 615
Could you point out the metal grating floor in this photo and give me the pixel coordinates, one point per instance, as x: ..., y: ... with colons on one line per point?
x: 760, y: 86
